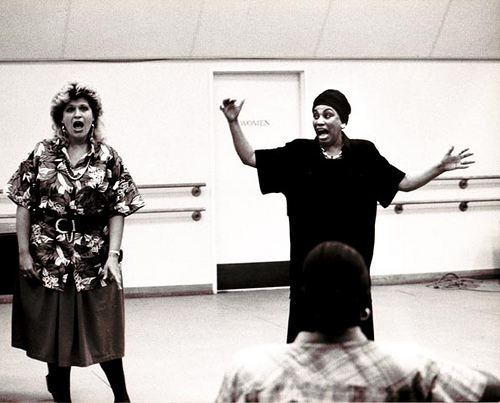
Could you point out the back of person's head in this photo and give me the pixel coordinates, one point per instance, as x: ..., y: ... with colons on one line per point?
x: 336, y: 287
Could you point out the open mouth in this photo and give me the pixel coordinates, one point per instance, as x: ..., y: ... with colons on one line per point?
x: 322, y: 133
x: 78, y: 125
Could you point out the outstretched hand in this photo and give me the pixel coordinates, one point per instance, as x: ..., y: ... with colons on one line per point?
x: 452, y: 161
x: 231, y: 108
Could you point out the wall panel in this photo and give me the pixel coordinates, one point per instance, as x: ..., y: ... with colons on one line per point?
x: 160, y: 117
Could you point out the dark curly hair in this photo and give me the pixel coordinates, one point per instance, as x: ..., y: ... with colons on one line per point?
x: 336, y: 287
x: 68, y: 93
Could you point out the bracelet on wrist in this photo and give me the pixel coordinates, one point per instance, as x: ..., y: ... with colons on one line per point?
x: 114, y: 252
x: 117, y: 253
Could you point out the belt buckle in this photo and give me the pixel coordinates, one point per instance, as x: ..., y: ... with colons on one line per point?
x: 69, y: 234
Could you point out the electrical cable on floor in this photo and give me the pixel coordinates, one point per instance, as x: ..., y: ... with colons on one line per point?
x: 455, y: 282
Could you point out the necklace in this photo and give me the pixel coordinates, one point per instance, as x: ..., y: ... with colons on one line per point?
x: 331, y: 157
x: 81, y: 171
x: 80, y: 174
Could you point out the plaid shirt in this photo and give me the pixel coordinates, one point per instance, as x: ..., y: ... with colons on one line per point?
x: 353, y: 371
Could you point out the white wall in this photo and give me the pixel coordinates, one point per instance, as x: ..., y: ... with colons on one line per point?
x: 160, y: 117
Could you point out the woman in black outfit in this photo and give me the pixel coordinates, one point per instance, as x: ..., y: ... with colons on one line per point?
x: 332, y: 185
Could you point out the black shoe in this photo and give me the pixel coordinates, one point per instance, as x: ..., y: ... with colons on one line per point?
x: 57, y: 395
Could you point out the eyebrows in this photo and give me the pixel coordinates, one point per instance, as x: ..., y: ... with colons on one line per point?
x: 321, y: 109
x: 77, y: 104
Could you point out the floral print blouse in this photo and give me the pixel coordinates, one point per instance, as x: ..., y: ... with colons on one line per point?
x: 95, y: 189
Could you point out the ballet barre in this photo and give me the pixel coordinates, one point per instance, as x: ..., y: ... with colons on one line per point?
x: 195, y: 187
x: 463, y: 205
x: 463, y: 182
x: 195, y: 211
x: 195, y: 191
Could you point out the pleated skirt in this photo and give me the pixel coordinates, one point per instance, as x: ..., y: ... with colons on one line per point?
x: 68, y: 328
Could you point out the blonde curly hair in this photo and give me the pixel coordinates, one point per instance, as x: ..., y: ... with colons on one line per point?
x: 68, y: 93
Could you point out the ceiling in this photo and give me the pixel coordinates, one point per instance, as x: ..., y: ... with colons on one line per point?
x: 34, y: 30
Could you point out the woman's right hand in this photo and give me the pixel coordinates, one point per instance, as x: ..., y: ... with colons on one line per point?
x: 27, y: 267
x: 231, y: 108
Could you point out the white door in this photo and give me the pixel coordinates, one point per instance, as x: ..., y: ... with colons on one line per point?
x: 251, y: 227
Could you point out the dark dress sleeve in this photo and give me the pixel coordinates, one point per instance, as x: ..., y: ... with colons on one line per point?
x: 272, y: 168
x: 126, y: 198
x: 387, y: 179
x: 21, y: 188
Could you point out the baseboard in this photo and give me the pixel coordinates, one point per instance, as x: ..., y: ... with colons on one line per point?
x: 203, y: 289
x: 6, y: 299
x: 234, y: 276
x: 168, y: 291
x: 240, y: 276
x: 151, y: 292
x: 412, y: 278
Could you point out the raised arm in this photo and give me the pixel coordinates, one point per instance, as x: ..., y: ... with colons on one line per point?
x: 231, y: 109
x: 449, y: 162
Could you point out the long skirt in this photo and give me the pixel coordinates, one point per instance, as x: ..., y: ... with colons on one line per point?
x: 68, y: 328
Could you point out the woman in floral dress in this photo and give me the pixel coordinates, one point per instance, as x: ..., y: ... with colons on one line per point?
x: 72, y: 194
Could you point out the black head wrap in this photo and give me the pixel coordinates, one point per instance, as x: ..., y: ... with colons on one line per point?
x: 337, y: 101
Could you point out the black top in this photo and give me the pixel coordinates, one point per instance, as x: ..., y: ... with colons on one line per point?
x: 328, y: 199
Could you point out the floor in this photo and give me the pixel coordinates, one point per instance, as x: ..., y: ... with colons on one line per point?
x: 178, y: 347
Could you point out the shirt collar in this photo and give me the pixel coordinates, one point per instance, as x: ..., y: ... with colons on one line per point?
x: 346, y: 141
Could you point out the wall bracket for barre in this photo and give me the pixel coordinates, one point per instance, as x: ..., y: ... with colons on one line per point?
x: 196, y: 191
x: 196, y: 215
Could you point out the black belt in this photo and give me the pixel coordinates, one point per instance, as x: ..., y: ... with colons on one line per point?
x: 72, y: 224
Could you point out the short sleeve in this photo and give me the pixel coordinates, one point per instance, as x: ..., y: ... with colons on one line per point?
x: 452, y: 381
x: 126, y: 198
x: 21, y: 187
x: 387, y: 179
x: 272, y: 168
x: 228, y: 391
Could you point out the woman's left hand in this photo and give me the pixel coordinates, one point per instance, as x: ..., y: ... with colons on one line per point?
x: 113, y: 271
x: 452, y: 161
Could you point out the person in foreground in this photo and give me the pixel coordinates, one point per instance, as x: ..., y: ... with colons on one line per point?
x: 72, y: 194
x: 332, y: 359
x: 332, y: 186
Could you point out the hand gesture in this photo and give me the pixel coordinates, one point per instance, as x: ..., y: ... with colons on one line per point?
x: 455, y: 161
x: 27, y: 267
x: 113, y: 271
x: 231, y: 108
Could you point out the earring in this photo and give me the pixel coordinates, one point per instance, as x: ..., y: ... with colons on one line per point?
x: 92, y: 132
x: 365, y: 314
x: 63, y: 128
